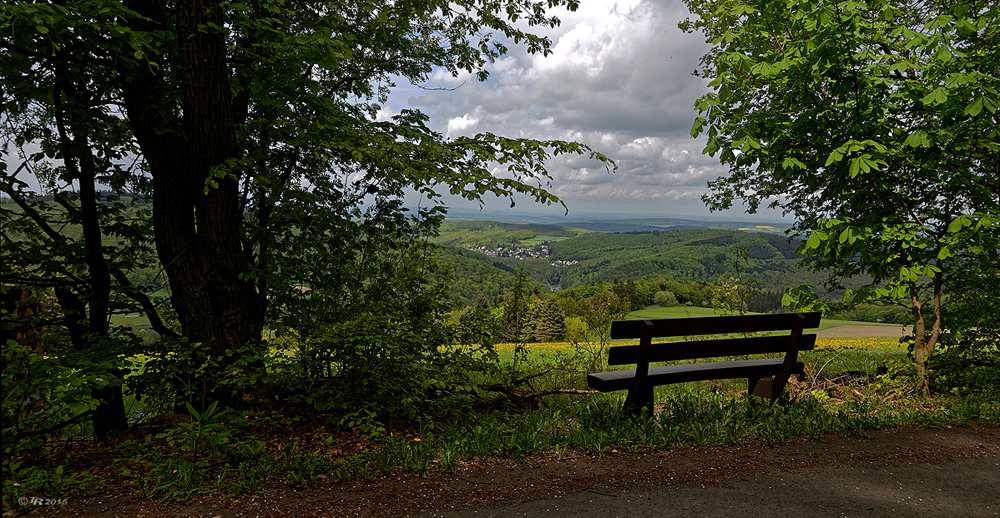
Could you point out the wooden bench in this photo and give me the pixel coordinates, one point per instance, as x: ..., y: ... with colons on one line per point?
x: 765, y: 377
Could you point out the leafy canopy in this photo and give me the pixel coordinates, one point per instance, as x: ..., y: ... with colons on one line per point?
x: 873, y: 123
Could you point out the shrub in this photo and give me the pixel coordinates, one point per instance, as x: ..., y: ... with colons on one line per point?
x: 665, y: 299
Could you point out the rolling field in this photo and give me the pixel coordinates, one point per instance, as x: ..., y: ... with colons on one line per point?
x: 831, y: 328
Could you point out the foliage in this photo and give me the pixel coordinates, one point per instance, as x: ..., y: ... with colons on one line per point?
x: 378, y: 347
x: 41, y: 392
x: 550, y: 322
x: 215, y: 451
x: 42, y: 395
x: 683, y: 255
x: 970, y: 360
x: 247, y: 124
x: 642, y: 293
x: 665, y: 299
x: 733, y: 291
x: 84, y: 277
x: 888, y: 314
x: 598, y: 312
x: 252, y: 452
x: 476, y: 325
x: 873, y: 124
x: 576, y: 330
x: 765, y: 301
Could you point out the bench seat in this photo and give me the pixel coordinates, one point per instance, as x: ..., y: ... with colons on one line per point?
x: 623, y: 379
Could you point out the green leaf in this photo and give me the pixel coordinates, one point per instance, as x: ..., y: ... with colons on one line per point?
x: 918, y: 138
x: 943, y: 55
x: 816, y: 239
x: 849, y: 235
x: 835, y: 156
x: 696, y: 128
x: 789, y: 163
x: 974, y: 108
x: 712, y: 147
x: 959, y: 223
x: 937, y: 96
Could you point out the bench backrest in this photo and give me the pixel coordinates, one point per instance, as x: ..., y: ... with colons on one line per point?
x: 646, y: 330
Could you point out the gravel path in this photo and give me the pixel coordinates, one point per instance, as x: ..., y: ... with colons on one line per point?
x: 895, y: 473
x: 900, y: 472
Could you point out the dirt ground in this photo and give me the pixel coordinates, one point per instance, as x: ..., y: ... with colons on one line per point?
x: 897, y: 472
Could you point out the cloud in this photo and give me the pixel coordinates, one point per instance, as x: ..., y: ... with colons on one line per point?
x: 458, y: 126
x: 619, y: 79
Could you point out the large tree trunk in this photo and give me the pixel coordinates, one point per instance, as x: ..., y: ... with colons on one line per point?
x: 197, y: 214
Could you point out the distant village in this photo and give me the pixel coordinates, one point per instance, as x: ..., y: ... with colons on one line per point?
x: 518, y: 252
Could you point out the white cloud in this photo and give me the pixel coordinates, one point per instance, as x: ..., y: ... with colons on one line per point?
x: 458, y: 126
x: 619, y: 80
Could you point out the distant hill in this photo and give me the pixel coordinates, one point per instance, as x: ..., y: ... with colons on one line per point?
x: 494, y: 233
x: 578, y: 257
x: 686, y: 254
x: 612, y: 223
x: 475, y: 275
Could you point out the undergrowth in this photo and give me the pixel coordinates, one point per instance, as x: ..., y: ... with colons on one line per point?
x: 219, y: 450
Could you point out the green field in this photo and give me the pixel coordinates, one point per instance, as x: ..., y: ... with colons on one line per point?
x: 132, y: 319
x: 688, y: 311
x: 537, y: 240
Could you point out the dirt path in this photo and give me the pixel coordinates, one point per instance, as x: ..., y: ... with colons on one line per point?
x: 897, y: 472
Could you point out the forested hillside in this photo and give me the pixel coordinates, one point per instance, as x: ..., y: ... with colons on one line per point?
x: 680, y: 254
x: 474, y: 275
x: 574, y: 259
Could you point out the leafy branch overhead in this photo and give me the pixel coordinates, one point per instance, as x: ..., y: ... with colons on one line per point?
x: 874, y: 124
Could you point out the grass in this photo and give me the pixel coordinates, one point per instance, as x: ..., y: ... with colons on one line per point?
x: 537, y: 240
x: 843, y: 391
x: 674, y: 312
x: 694, y: 312
x: 136, y: 321
x: 686, y: 416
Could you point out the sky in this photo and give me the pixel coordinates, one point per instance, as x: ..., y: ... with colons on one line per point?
x: 619, y: 79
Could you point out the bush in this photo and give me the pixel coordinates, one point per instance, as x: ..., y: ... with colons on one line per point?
x: 576, y: 330
x: 971, y: 365
x: 664, y: 299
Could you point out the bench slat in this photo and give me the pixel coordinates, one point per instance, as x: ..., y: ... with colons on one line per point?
x: 672, y: 351
x: 622, y: 380
x: 712, y: 325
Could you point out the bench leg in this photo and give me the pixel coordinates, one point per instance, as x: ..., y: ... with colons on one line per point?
x: 637, y: 399
x: 760, y: 387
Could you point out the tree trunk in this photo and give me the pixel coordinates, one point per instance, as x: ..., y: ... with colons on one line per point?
x: 924, y: 342
x: 197, y: 214
x: 87, y: 322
